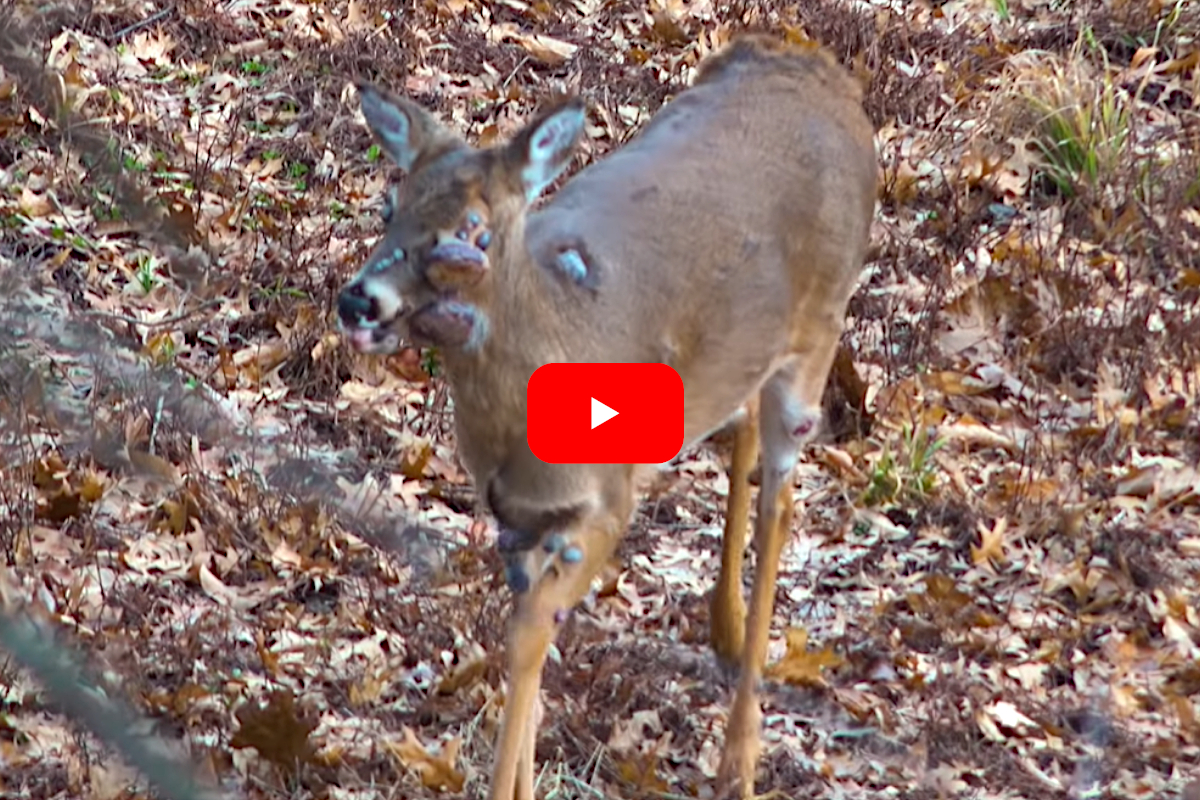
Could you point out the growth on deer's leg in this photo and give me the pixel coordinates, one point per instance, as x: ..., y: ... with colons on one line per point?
x: 727, y: 610
x: 790, y: 411
x: 549, y: 580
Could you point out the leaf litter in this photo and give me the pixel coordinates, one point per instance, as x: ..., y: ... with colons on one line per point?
x: 268, y: 541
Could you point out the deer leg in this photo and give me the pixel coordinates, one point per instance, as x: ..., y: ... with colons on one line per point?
x: 789, y: 412
x: 558, y: 575
x: 526, y: 767
x: 728, y: 610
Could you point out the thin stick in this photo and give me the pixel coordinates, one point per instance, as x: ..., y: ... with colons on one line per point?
x: 180, y: 317
x: 150, y: 20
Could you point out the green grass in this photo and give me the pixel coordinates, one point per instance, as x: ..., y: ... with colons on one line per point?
x: 146, y: 276
x: 1081, y: 127
x: 909, y: 475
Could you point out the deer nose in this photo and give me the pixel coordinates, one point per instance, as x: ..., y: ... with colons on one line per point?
x: 355, y: 307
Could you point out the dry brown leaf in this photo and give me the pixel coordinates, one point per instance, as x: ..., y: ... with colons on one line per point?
x: 801, y: 666
x: 544, y: 48
x: 991, y: 544
x: 472, y: 663
x: 278, y: 730
x: 436, y: 770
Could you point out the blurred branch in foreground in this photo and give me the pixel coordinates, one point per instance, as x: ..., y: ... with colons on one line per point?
x: 111, y: 721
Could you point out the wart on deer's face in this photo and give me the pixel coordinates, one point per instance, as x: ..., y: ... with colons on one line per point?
x: 452, y: 217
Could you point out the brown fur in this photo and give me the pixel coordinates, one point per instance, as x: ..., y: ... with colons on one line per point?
x: 724, y: 240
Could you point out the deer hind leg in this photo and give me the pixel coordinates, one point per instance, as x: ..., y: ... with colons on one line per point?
x: 559, y: 572
x: 789, y: 413
x: 728, y: 609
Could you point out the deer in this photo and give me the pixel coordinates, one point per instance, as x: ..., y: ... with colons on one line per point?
x: 724, y: 239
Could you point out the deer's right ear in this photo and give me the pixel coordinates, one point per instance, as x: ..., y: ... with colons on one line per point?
x: 403, y: 129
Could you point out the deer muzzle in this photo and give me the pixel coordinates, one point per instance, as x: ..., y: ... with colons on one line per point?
x: 367, y: 324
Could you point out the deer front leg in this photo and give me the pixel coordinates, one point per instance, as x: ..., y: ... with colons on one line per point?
x: 727, y: 612
x: 549, y: 580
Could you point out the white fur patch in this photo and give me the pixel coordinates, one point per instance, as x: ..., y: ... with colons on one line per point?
x: 388, y: 300
x: 796, y: 424
x: 479, y: 331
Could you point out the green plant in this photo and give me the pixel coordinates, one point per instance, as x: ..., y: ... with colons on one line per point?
x: 1081, y: 126
x: 430, y: 361
x: 102, y: 210
x: 1002, y: 12
x: 255, y: 67
x: 1155, y: 24
x: 908, y: 476
x: 279, y: 289
x: 145, y: 275
x: 297, y: 171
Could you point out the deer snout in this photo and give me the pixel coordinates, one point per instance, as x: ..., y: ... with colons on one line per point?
x: 368, y: 313
x: 356, y: 308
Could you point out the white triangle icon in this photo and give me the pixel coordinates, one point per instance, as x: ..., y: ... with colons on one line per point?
x: 601, y: 413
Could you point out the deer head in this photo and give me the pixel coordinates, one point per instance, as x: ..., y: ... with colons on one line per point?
x: 429, y: 278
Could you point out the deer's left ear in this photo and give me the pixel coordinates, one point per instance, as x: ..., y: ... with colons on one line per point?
x: 543, y: 149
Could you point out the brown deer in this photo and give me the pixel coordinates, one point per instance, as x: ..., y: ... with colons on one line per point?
x: 724, y: 240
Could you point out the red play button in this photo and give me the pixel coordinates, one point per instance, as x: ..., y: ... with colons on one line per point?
x: 605, y: 413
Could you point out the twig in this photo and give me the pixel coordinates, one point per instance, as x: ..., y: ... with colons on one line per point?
x: 180, y: 317
x: 578, y: 784
x: 154, y: 425
x: 150, y: 20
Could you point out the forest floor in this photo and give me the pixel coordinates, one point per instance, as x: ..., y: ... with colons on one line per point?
x: 267, y: 544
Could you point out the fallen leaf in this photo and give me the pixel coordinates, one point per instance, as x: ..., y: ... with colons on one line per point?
x: 436, y: 770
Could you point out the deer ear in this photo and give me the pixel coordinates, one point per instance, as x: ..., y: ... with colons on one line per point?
x: 404, y: 130
x: 543, y: 149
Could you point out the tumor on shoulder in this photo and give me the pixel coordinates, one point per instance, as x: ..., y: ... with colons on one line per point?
x: 572, y: 261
